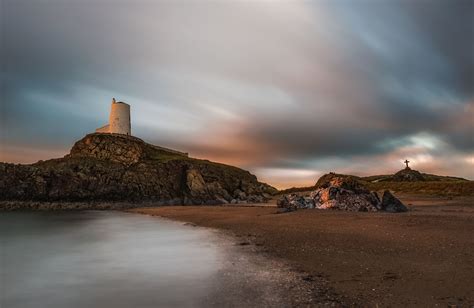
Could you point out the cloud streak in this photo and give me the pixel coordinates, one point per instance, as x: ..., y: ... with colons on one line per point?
x: 306, y: 87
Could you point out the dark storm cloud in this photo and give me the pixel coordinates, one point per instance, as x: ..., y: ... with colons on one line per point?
x: 450, y: 28
x: 422, y: 78
x: 279, y: 88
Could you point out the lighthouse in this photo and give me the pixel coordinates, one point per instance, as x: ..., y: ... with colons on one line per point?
x: 119, y: 119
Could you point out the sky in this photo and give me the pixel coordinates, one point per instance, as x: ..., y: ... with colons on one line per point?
x: 288, y: 90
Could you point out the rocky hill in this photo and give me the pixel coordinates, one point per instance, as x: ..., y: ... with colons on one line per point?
x: 405, y: 181
x: 415, y: 182
x: 108, y: 167
x: 410, y: 175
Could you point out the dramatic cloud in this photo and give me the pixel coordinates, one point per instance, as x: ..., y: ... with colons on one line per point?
x: 287, y: 89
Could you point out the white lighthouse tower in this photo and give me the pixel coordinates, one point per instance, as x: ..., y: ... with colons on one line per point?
x: 119, y: 120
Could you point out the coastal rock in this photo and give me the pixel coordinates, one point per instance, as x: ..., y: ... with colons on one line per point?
x: 391, y: 204
x: 344, y: 199
x: 344, y: 181
x: 342, y: 192
x: 116, y: 148
x: 283, y: 202
x: 285, y: 205
x: 108, y: 167
x: 291, y: 202
x: 196, y: 184
x: 408, y: 175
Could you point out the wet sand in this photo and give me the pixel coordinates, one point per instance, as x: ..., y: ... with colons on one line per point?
x: 421, y: 258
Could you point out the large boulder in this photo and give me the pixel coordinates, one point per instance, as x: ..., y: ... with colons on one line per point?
x: 391, y: 204
x: 342, y: 192
x: 291, y: 202
x: 344, y: 199
x: 343, y: 181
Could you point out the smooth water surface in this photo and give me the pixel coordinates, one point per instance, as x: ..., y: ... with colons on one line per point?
x: 103, y: 259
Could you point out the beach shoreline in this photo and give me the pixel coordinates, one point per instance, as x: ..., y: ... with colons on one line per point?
x: 87, y: 257
x: 423, y: 257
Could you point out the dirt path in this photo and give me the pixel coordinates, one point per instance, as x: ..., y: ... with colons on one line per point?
x: 421, y: 258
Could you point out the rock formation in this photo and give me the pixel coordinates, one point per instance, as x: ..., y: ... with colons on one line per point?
x: 108, y: 167
x: 407, y: 175
x: 342, y: 192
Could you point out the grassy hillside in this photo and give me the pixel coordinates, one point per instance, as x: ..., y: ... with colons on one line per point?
x: 432, y: 185
x: 441, y: 188
x: 428, y: 177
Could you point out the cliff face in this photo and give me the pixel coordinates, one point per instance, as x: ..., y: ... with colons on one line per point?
x: 105, y: 167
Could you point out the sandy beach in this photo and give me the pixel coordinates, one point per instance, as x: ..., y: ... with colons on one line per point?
x: 421, y: 258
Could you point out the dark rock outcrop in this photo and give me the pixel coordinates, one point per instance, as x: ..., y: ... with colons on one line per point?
x: 391, y: 204
x: 407, y: 175
x: 106, y: 167
x: 342, y: 192
x: 343, y: 181
x: 292, y: 202
x: 411, y: 175
x: 123, y: 149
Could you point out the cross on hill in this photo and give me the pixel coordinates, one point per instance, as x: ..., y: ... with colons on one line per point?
x: 406, y: 162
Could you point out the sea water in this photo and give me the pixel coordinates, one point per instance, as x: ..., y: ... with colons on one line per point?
x: 104, y: 259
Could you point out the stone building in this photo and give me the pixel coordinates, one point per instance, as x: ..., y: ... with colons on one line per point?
x: 119, y: 120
